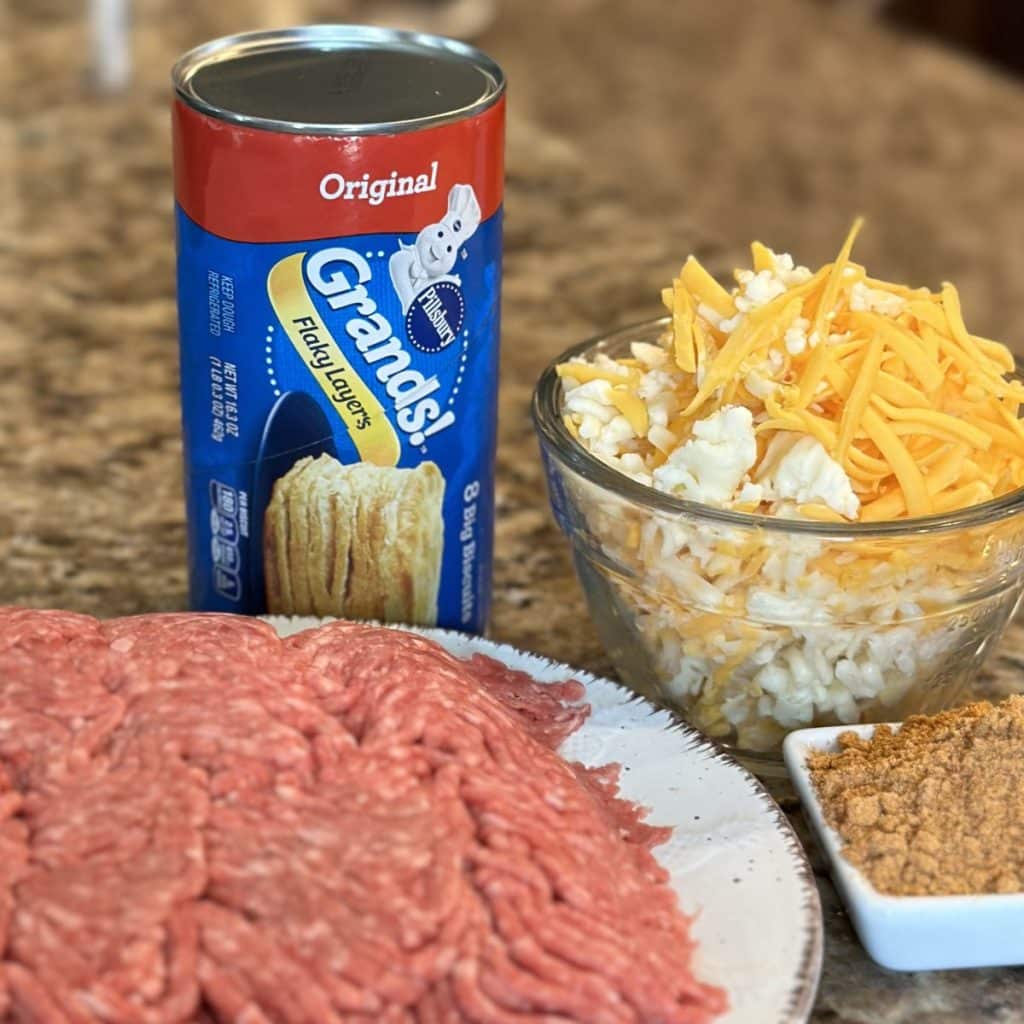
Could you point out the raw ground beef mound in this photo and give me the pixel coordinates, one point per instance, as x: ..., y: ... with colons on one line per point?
x: 201, y: 822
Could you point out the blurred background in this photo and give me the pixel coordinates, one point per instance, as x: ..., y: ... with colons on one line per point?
x: 991, y: 29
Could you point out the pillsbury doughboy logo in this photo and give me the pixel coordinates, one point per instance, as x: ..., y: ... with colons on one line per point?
x: 431, y: 295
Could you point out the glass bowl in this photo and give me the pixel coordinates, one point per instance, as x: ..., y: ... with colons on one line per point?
x: 750, y: 626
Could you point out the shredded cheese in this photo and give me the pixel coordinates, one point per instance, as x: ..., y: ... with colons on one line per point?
x: 856, y: 405
x: 835, y: 279
x: 633, y: 408
x: 921, y: 415
x: 583, y: 373
x: 705, y: 289
x: 762, y: 257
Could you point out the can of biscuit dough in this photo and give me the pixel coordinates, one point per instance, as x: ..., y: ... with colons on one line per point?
x: 338, y: 198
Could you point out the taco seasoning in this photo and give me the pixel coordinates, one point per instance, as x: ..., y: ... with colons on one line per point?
x: 338, y: 202
x: 935, y: 808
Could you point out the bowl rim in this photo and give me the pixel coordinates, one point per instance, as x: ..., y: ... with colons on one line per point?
x: 556, y: 440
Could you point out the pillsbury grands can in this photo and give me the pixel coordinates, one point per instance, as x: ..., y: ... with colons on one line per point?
x: 338, y: 200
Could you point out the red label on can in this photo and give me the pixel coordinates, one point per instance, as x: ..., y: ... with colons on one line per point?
x: 255, y: 185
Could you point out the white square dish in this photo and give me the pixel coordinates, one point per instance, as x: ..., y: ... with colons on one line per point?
x: 907, y: 933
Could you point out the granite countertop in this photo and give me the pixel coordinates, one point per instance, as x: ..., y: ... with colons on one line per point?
x: 638, y: 133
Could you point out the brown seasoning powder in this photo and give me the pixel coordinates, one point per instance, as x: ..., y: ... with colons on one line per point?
x: 936, y: 808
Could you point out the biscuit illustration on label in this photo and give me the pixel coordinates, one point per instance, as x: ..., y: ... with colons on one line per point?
x: 359, y: 541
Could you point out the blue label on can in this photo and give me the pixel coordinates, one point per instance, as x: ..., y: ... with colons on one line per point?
x: 339, y: 411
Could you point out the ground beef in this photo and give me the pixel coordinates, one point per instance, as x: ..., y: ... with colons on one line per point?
x: 200, y: 822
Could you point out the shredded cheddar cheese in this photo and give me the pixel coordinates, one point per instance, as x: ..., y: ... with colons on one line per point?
x: 886, y: 378
x: 695, y: 280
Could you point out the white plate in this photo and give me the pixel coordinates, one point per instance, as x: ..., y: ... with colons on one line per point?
x: 735, y: 863
x: 907, y: 933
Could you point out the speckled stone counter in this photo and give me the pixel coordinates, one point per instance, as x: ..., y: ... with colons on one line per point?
x: 639, y: 132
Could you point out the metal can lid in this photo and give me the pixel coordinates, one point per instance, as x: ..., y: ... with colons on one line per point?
x: 338, y: 80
